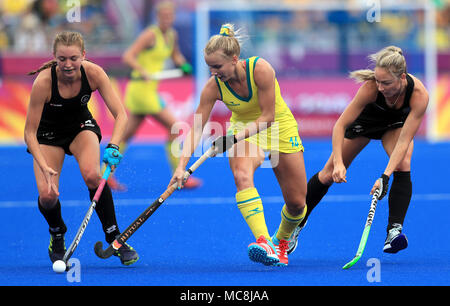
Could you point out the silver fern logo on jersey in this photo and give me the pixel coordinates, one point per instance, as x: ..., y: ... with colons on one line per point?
x: 85, y: 99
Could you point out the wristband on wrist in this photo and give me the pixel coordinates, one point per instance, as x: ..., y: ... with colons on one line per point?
x: 111, y: 145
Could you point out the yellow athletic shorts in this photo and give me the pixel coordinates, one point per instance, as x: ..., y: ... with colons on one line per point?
x: 280, y: 136
x: 142, y: 98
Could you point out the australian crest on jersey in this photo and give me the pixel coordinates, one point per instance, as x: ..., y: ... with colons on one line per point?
x: 65, y: 113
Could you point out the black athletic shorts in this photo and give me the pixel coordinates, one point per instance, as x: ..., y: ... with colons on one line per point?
x: 63, y: 138
x: 371, y: 129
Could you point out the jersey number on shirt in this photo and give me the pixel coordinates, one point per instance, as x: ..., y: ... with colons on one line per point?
x: 293, y: 141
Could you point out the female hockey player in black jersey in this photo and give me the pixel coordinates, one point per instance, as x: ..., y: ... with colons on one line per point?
x: 389, y: 106
x: 59, y: 122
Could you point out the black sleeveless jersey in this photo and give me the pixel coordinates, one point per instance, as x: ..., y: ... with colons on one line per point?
x: 380, y: 110
x: 377, y: 118
x: 65, y: 114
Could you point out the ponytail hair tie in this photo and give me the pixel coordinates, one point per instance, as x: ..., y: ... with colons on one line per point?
x: 225, y: 31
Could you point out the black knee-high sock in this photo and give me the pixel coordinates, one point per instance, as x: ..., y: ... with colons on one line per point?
x: 314, y: 194
x: 106, y: 213
x: 399, y: 197
x: 53, y: 217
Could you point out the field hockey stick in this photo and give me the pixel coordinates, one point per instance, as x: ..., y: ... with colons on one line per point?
x: 365, y: 235
x: 163, y: 75
x: 87, y: 217
x: 133, y: 227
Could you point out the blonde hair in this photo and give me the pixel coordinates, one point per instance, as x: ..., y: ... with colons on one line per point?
x: 165, y: 4
x: 228, y: 40
x: 65, y: 38
x: 390, y: 58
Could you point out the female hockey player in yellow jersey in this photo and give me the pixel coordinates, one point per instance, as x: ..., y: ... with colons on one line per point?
x: 250, y: 90
x: 147, y: 55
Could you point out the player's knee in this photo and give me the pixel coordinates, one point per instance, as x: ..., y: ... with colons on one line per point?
x: 92, y: 179
x: 242, y: 179
x: 405, y: 165
x: 48, y: 200
x: 295, y: 207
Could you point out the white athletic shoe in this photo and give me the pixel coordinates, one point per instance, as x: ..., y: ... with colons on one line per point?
x: 293, y: 240
x: 395, y: 240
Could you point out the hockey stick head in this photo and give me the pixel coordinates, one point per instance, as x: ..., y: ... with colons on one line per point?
x: 365, y: 235
x: 98, y: 249
x: 352, y: 262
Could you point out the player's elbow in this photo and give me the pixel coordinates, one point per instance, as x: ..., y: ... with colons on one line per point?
x: 126, y: 58
x: 340, y: 126
x: 27, y: 134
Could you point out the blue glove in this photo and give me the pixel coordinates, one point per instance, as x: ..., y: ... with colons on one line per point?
x: 112, y: 156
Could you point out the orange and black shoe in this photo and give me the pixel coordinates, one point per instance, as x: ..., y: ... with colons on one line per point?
x: 127, y: 254
x: 115, y: 185
x: 193, y: 182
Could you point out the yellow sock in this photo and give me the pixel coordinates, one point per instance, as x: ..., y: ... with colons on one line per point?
x: 288, y: 223
x: 172, y: 152
x: 250, y: 205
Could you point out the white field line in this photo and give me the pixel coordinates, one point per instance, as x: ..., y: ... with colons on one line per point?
x: 223, y: 200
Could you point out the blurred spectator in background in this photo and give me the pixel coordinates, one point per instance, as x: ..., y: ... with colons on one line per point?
x: 270, y: 43
x: 443, y: 28
x: 149, y: 54
x: 109, y: 26
x: 49, y: 12
x: 30, y: 37
x: 94, y: 24
x: 10, y: 14
x: 38, y: 25
x: 4, y: 40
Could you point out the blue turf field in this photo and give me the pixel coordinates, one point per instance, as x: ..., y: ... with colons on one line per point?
x: 199, y: 237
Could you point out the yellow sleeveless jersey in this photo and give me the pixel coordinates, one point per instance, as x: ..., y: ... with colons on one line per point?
x: 142, y: 96
x: 281, y: 136
x: 154, y: 58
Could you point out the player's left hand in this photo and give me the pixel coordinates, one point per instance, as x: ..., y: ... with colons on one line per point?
x: 383, y: 184
x: 186, y: 68
x: 112, y: 156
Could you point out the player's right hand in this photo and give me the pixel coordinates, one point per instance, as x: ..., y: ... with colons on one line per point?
x: 383, y: 184
x: 112, y: 156
x: 50, y: 177
x: 178, y: 177
x: 339, y: 173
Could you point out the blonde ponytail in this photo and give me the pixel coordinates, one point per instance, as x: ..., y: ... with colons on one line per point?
x: 228, y: 40
x: 43, y: 67
x: 362, y: 75
x: 390, y: 58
